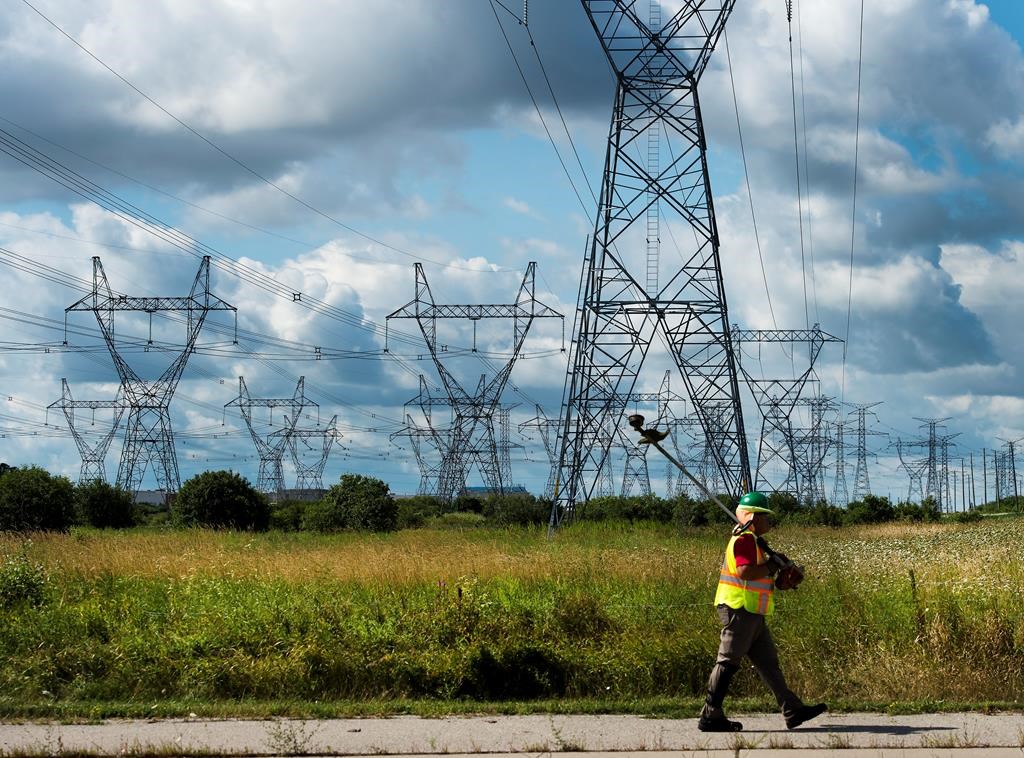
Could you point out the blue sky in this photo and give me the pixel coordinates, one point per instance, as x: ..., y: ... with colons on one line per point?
x: 420, y: 133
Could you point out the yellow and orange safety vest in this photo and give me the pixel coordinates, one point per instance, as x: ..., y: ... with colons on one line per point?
x: 756, y: 596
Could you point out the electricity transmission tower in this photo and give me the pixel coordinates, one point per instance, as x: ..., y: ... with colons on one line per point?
x: 93, y: 453
x: 149, y: 437
x: 631, y: 295
x: 417, y: 436
x: 547, y: 430
x: 840, y: 494
x: 915, y: 470
x: 270, y: 479
x: 472, y: 434
x: 1009, y: 472
x: 777, y: 399
x: 310, y: 449
x: 811, y: 445
x: 937, y: 465
x: 861, y: 481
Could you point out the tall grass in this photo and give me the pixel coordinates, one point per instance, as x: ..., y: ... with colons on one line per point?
x: 600, y: 611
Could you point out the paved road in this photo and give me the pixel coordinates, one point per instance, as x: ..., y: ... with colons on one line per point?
x: 845, y: 735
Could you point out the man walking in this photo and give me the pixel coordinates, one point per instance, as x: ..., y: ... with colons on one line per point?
x: 745, y: 598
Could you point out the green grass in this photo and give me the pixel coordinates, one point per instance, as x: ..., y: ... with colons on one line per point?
x: 603, y: 618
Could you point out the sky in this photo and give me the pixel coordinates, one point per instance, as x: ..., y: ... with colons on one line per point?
x: 317, y: 150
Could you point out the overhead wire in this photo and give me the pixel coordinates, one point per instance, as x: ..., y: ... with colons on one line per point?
x: 241, y: 164
x: 796, y: 153
x: 540, y: 114
x: 853, y: 212
x: 746, y: 176
x: 807, y: 170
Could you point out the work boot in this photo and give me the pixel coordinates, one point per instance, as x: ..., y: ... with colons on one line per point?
x: 712, y: 721
x: 805, y: 713
x: 712, y: 717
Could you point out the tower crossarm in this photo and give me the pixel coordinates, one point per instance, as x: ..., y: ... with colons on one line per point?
x: 678, y: 50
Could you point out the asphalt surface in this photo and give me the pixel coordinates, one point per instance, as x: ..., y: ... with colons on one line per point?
x: 846, y: 735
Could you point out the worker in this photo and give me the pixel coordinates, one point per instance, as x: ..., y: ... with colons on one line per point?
x: 744, y: 600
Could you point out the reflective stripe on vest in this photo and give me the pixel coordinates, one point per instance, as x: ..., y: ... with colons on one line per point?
x: 755, y: 595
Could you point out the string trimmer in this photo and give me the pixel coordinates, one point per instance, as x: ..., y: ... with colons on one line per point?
x: 790, y: 575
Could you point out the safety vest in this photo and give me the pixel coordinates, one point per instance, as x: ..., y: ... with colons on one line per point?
x: 755, y: 595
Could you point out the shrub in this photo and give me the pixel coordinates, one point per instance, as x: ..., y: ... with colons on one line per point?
x: 688, y: 512
x: 786, y: 507
x: 287, y: 515
x: 871, y: 510
x: 519, y: 673
x: 457, y: 520
x: 519, y: 509
x: 415, y: 511
x: 221, y: 500
x: 21, y: 581
x: 32, y: 499
x: 466, y: 503
x: 356, y: 502
x: 642, y: 508
x: 926, y: 511
x: 105, y: 505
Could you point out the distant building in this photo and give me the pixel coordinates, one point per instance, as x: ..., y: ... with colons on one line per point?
x: 515, y: 489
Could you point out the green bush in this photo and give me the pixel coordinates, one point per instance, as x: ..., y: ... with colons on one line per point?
x: 31, y: 499
x: 873, y: 509
x: 687, y: 512
x: 518, y: 509
x: 221, y: 500
x: 926, y: 511
x: 287, y: 515
x: 356, y: 502
x: 21, y: 581
x: 466, y: 503
x: 104, y: 505
x: 786, y: 507
x: 641, y: 508
x: 415, y: 511
x: 457, y: 520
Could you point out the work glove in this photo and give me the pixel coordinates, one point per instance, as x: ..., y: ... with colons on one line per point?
x: 789, y: 578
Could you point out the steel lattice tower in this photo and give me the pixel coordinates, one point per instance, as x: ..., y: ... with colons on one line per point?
x: 937, y: 466
x: 472, y: 435
x: 93, y: 454
x: 149, y: 437
x: 915, y: 471
x: 811, y: 446
x: 547, y: 429
x: 777, y: 399
x: 1009, y: 471
x: 861, y: 481
x: 840, y: 494
x: 270, y: 479
x: 301, y: 443
x: 630, y: 297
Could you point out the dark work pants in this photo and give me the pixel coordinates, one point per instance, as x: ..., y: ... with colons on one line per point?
x: 746, y: 634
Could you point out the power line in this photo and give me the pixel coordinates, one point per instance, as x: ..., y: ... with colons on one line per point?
x: 853, y: 215
x: 540, y: 115
x: 242, y: 164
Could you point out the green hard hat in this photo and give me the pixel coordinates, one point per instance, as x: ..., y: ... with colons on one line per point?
x: 755, y: 502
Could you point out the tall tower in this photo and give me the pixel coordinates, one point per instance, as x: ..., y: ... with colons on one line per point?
x: 632, y: 296
x: 861, y: 481
x: 92, y: 453
x: 472, y: 434
x: 270, y: 479
x: 149, y: 438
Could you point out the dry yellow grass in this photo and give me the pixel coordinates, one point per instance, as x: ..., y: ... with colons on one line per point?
x: 407, y: 557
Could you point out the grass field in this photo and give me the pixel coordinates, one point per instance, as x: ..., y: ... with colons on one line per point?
x: 603, y: 617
